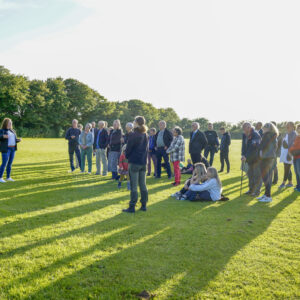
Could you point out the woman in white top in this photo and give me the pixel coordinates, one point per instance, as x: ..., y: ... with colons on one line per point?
x: 285, y: 157
x: 8, y: 147
x: 211, y: 189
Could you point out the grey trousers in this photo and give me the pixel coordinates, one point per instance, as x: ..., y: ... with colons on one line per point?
x: 113, y: 161
x: 255, y: 179
x: 137, y: 175
x: 101, y: 157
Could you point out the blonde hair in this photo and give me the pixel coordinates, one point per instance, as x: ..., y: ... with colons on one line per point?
x: 200, y: 170
x: 271, y: 128
x: 5, y: 123
x: 213, y: 171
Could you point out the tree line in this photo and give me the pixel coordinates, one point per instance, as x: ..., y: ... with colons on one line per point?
x: 45, y: 108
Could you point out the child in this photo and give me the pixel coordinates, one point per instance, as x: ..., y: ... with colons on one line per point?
x: 210, y: 190
x: 176, y: 150
x: 123, y: 169
x: 295, y: 151
x: 199, y: 175
x: 188, y: 169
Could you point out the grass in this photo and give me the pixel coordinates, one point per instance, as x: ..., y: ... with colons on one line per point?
x: 63, y: 236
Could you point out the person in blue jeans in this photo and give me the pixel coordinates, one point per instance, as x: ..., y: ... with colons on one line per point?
x: 8, y: 147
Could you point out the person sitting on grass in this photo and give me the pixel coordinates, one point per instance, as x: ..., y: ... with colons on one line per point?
x: 176, y: 151
x: 199, y: 175
x: 86, y: 141
x: 210, y: 190
x: 123, y: 169
x: 188, y: 169
x: 295, y: 151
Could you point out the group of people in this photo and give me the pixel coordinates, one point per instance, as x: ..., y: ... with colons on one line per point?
x: 130, y: 155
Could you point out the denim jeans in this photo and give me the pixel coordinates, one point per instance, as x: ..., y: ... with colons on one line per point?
x: 88, y: 152
x: 71, y: 156
x: 137, y: 174
x: 161, y: 153
x: 7, y: 160
x: 297, y: 171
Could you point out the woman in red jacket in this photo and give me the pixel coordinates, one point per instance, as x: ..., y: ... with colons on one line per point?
x: 295, y: 151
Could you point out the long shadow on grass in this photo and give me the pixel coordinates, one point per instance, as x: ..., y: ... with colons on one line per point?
x: 198, y: 241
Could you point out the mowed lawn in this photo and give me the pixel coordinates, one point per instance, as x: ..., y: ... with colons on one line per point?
x: 63, y: 236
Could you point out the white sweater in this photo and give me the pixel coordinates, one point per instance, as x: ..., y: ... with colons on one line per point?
x: 211, y: 185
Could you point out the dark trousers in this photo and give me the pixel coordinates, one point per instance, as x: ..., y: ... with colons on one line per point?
x: 137, y: 174
x: 161, y: 153
x: 195, y: 157
x: 297, y: 171
x: 224, y: 158
x: 275, y: 172
x: 254, y: 176
x: 266, y: 169
x: 71, y: 156
x: 210, y: 150
x: 287, y: 173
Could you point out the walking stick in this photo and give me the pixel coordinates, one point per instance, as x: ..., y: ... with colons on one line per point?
x: 242, y: 177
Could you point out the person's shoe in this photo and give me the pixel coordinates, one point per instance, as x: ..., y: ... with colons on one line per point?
x: 261, y: 197
x: 248, y: 193
x: 178, y: 197
x: 176, y: 194
x: 274, y: 182
x: 90, y: 173
x: 104, y: 174
x: 266, y: 199
x: 129, y: 210
x: 119, y: 184
x: 71, y: 171
x: 289, y: 185
x: 220, y: 171
x: 10, y: 179
x: 2, y: 180
x: 182, y: 198
x: 97, y: 173
x: 282, y: 186
x: 255, y: 194
x: 128, y: 186
x: 157, y: 177
x: 117, y: 177
x: 148, y: 174
x: 143, y: 208
x: 228, y: 172
x: 82, y: 172
x: 176, y: 183
x: 170, y: 177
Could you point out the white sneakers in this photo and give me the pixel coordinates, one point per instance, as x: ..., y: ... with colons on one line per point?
x: 264, y: 198
x: 8, y: 179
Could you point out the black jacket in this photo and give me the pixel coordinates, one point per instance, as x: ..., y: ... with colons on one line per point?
x: 168, y: 138
x: 225, y: 142
x: 198, y: 143
x: 137, y: 148
x: 103, y: 139
x: 268, y: 145
x: 115, y: 140
x: 70, y: 132
x: 4, y: 142
x: 250, y: 147
x: 212, y: 138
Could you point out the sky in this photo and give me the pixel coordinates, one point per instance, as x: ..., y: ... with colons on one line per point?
x: 222, y: 60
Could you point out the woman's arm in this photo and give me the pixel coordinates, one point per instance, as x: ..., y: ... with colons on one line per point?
x: 202, y: 187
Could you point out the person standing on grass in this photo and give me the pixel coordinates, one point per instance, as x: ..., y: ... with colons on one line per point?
x: 177, y: 152
x: 224, y: 149
x: 163, y: 140
x: 72, y: 135
x: 86, y: 141
x: 129, y: 129
x: 258, y: 128
x: 8, y: 147
x: 278, y: 152
x: 198, y: 142
x: 115, y: 145
x: 151, y: 152
x: 136, y: 153
x: 267, y: 153
x: 100, y: 147
x: 295, y: 151
x: 212, y: 143
x: 250, y: 154
x: 285, y: 157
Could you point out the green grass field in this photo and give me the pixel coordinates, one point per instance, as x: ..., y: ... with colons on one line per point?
x: 63, y: 236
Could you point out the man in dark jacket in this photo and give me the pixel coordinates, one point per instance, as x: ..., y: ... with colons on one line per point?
x: 224, y: 149
x: 250, y: 155
x: 198, y: 142
x: 72, y: 135
x: 258, y: 128
x: 212, y: 143
x: 100, y: 147
x: 163, y: 140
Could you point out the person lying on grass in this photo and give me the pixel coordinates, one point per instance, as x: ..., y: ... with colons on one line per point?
x: 210, y: 190
x: 188, y: 169
x: 199, y: 175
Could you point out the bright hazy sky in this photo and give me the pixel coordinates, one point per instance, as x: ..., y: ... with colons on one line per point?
x: 223, y: 60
